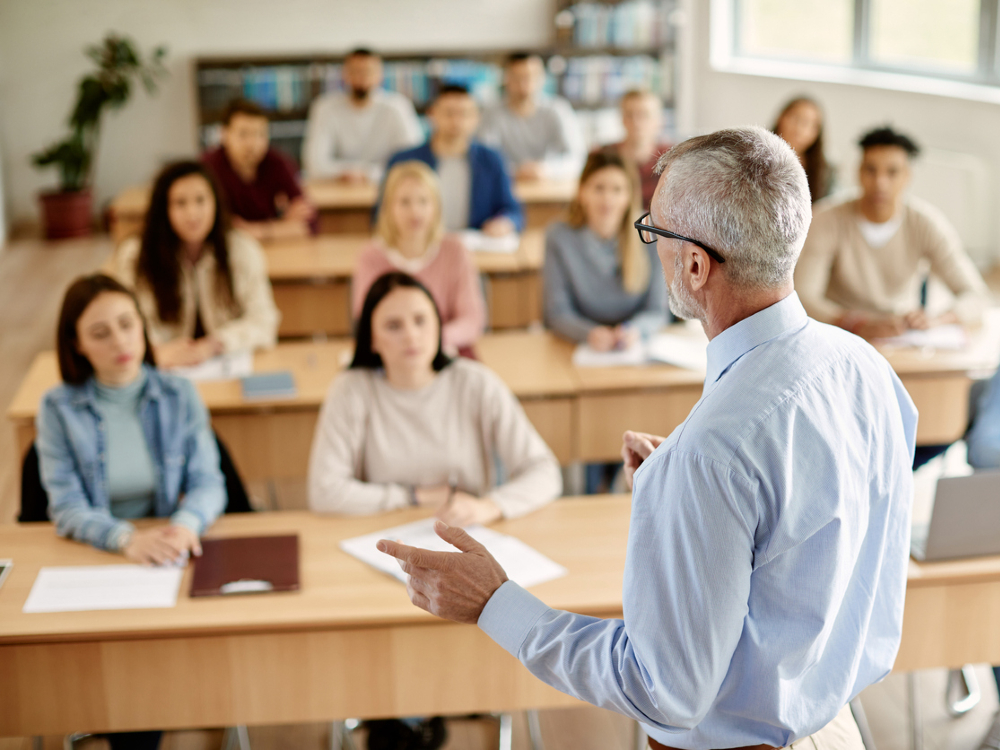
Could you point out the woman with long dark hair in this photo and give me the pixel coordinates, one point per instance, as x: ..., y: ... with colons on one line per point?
x: 203, y: 287
x: 408, y: 426
x: 800, y: 124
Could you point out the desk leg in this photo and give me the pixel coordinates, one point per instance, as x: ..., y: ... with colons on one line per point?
x: 534, y: 730
x: 506, y: 731
x: 916, y: 728
x: 639, y: 739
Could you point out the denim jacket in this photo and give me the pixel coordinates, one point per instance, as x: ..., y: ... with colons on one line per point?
x: 189, y: 485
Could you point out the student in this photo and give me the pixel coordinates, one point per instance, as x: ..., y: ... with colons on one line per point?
x: 120, y: 440
x: 599, y: 287
x: 351, y: 133
x: 407, y: 426
x: 475, y: 188
x: 203, y: 289
x: 409, y: 237
x: 865, y: 259
x: 259, y: 182
x: 538, y: 136
x: 800, y: 124
x: 642, y: 118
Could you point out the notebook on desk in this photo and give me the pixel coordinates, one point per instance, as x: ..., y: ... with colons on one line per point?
x: 269, y: 385
x: 246, y: 565
x: 965, y: 520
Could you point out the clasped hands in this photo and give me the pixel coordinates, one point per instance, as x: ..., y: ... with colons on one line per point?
x: 161, y: 545
x: 457, y: 585
x: 457, y: 508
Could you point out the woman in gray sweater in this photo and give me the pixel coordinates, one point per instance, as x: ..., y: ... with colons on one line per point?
x: 599, y: 284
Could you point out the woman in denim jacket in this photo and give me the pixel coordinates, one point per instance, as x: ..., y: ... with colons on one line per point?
x: 119, y: 440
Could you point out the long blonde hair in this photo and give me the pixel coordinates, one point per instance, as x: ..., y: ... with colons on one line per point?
x: 632, y: 256
x: 385, y: 228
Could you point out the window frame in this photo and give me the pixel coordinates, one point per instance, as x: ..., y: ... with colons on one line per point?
x: 987, y: 71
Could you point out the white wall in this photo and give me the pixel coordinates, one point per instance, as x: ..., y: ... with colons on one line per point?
x: 41, y: 57
x: 942, y: 125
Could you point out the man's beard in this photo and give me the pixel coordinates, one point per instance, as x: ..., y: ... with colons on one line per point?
x: 682, y: 303
x: 360, y: 95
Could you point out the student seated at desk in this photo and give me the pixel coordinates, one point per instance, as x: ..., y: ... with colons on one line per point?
x: 259, y: 183
x: 642, y: 118
x: 475, y: 188
x: 539, y: 136
x: 351, y: 133
x: 407, y: 426
x: 865, y: 259
x: 800, y: 124
x: 599, y: 284
x: 409, y: 237
x: 202, y: 288
x: 119, y: 440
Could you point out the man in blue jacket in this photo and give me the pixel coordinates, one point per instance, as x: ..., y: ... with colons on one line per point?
x: 475, y: 187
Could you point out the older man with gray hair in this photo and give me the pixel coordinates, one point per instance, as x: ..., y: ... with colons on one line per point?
x: 768, y: 547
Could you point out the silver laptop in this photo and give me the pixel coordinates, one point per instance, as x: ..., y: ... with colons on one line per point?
x: 965, y: 521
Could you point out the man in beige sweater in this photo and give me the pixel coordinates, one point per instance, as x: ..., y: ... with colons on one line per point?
x: 865, y: 259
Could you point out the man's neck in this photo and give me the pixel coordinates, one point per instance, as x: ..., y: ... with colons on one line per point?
x: 878, y: 213
x: 639, y: 151
x: 740, y: 307
x: 246, y: 173
x: 444, y: 149
x: 359, y: 103
x: 523, y: 107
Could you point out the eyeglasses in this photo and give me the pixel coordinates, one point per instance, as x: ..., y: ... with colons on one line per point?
x: 647, y: 233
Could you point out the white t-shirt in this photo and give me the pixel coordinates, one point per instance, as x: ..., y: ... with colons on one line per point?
x: 342, y: 137
x: 878, y: 234
x: 456, y: 186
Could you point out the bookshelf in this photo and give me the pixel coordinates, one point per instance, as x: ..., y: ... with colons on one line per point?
x: 599, y: 51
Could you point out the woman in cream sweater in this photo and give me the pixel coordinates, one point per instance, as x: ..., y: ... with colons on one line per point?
x: 202, y: 288
x: 407, y: 426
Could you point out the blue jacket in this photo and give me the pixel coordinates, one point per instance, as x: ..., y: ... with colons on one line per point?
x: 70, y: 447
x: 491, y: 192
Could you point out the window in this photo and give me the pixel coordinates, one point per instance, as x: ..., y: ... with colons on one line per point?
x: 955, y: 40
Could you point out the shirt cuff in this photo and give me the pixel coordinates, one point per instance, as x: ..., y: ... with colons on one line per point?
x: 118, y: 532
x: 509, y: 616
x: 188, y: 520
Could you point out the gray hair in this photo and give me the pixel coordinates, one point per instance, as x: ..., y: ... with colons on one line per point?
x: 743, y: 193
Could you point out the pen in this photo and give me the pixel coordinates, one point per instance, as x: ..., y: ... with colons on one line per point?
x: 452, y: 489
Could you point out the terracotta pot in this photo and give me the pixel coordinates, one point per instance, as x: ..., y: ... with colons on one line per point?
x: 67, y: 214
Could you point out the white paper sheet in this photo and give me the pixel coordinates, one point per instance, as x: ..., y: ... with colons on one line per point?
x: 689, y: 352
x: 224, y: 367
x: 584, y: 356
x: 524, y: 565
x: 941, y: 337
x: 89, y: 587
x: 477, y: 242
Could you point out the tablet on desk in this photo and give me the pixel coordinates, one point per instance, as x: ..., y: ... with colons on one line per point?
x: 246, y: 565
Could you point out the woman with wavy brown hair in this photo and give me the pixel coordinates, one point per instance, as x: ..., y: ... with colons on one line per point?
x: 202, y: 287
x: 800, y: 124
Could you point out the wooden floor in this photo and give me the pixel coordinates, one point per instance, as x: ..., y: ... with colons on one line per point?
x: 33, y: 276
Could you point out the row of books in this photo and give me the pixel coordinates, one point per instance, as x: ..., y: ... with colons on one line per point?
x: 585, y: 81
x: 643, y: 24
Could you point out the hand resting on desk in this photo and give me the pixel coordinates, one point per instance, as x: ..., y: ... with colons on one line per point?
x: 452, y: 585
x: 457, y: 508
x: 161, y: 545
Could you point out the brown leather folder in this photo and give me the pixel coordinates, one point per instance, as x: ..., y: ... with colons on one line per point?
x: 246, y: 565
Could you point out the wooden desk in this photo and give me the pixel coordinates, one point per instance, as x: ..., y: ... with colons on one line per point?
x: 347, y: 208
x: 311, y: 279
x: 349, y: 644
x: 580, y: 412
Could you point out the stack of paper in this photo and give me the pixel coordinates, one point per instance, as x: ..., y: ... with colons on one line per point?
x: 689, y: 352
x: 224, y: 367
x: 477, y: 242
x: 942, y: 337
x: 524, y: 565
x: 87, y: 587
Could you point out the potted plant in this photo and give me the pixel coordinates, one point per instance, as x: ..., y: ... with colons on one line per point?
x: 66, y: 212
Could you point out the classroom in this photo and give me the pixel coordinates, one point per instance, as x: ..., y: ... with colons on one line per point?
x: 523, y: 374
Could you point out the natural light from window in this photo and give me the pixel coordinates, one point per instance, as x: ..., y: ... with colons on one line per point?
x: 816, y: 30
x: 926, y: 34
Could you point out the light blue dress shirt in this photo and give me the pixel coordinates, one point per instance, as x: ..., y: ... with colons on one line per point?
x: 767, y: 553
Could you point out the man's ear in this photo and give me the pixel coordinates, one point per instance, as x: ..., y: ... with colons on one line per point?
x: 696, y: 265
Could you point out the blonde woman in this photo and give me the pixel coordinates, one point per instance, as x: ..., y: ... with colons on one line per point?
x: 599, y: 285
x: 409, y: 237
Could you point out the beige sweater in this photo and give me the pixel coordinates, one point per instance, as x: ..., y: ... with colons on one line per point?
x: 373, y: 442
x: 251, y: 324
x: 839, y: 271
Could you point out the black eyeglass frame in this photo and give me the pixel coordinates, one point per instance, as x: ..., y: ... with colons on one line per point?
x: 640, y: 228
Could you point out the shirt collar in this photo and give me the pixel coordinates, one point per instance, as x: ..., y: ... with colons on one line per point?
x: 749, y: 333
